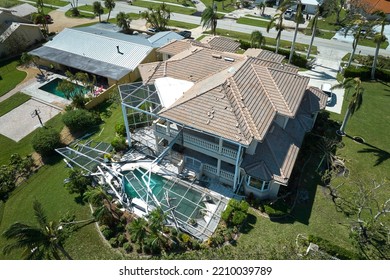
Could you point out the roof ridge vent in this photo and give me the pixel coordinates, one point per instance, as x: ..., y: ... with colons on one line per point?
x: 230, y: 59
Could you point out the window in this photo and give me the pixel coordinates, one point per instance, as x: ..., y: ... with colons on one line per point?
x: 258, y: 184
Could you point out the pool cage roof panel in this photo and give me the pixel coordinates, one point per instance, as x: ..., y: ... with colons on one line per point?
x: 87, y: 156
x: 140, y: 97
x: 194, y: 210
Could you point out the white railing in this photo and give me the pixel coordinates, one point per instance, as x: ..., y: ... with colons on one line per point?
x: 229, y: 152
x: 209, y: 169
x: 227, y: 175
x: 198, y: 142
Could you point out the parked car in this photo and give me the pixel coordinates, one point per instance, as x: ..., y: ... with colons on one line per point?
x: 288, y: 14
x: 327, y: 88
x: 185, y: 33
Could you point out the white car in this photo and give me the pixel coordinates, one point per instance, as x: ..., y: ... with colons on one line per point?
x: 327, y: 88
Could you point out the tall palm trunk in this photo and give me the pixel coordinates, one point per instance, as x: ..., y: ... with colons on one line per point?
x: 313, y: 34
x: 293, y: 43
x: 354, y: 45
x: 278, y: 41
x: 378, y: 45
x: 341, y: 131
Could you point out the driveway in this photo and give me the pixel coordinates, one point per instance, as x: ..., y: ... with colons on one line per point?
x: 325, y: 70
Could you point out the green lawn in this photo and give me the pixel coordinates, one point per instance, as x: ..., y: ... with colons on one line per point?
x: 89, y: 8
x: 253, y: 22
x: 181, y: 24
x: 228, y: 6
x: 10, y: 77
x: 12, y: 102
x: 82, y: 15
x: 329, y: 23
x: 47, y: 186
x: 56, y: 2
x: 269, y: 41
x: 174, y: 9
x: 8, y: 3
x: 187, y: 3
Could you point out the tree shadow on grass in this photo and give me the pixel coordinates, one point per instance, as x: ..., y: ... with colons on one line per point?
x: 381, y: 154
x: 79, y: 200
x: 249, y: 224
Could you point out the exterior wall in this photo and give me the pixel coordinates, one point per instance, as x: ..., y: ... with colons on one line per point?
x: 311, y: 9
x: 100, y: 98
x: 252, y: 148
x: 271, y: 193
x: 21, y: 39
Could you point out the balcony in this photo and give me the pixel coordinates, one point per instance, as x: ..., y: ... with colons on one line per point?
x: 199, y: 143
x: 224, y: 176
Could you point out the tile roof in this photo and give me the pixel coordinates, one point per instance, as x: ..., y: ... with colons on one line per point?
x: 222, y: 44
x: 275, y: 157
x: 175, y: 47
x: 193, y: 65
x: 265, y: 55
x: 248, y: 88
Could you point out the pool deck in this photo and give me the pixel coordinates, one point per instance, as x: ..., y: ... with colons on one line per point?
x: 34, y: 91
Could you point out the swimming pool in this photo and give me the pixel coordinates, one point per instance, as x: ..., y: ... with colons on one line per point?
x: 51, y: 87
x: 187, y: 202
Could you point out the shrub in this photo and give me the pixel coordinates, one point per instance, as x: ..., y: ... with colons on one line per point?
x: 383, y: 75
x: 239, y: 217
x: 277, y: 209
x: 120, y: 128
x: 121, y: 239
x: 80, y: 119
x: 244, y: 44
x: 107, y: 232
x: 128, y: 247
x: 45, y: 141
x: 114, y: 242
x: 119, y: 143
x: 185, y: 237
x: 333, y: 249
x: 364, y: 73
x: 227, y: 213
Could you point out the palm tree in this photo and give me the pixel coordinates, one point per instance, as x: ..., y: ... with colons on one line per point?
x: 98, y: 9
x: 313, y: 30
x: 357, y: 24
x: 26, y: 59
x: 78, y: 182
x: 379, y: 39
x: 298, y: 17
x: 156, y: 220
x: 356, y: 101
x: 42, y: 242
x: 157, y: 18
x: 261, y: 7
x: 278, y: 18
x: 138, y: 229
x: 110, y: 5
x: 209, y: 18
x: 105, y: 212
x: 123, y: 21
x: 257, y: 39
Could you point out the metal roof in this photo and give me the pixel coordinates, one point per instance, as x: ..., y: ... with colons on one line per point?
x: 80, y: 62
x: 94, y: 47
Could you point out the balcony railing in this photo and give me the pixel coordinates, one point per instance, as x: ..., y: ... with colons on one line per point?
x: 210, y: 169
x: 198, y: 142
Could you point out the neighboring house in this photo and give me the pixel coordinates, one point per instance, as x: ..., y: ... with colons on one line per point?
x: 236, y: 119
x: 103, y: 51
x: 218, y: 43
x: 367, y: 7
x: 17, y: 34
x: 24, y: 11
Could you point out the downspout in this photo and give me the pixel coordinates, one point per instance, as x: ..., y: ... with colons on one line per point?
x: 237, y: 168
x: 128, y: 133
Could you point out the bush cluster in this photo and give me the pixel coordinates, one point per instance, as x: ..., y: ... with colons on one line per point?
x: 333, y: 249
x: 120, y: 128
x: 236, y: 212
x: 364, y: 73
x: 119, y: 143
x: 80, y: 119
x: 45, y: 141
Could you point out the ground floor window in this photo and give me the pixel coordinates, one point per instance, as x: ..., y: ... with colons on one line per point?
x: 258, y: 184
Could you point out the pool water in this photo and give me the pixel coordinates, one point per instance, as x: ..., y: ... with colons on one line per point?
x: 185, y: 200
x: 51, y: 87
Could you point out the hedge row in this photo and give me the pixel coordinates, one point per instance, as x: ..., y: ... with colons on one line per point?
x: 364, y: 73
x: 332, y: 249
